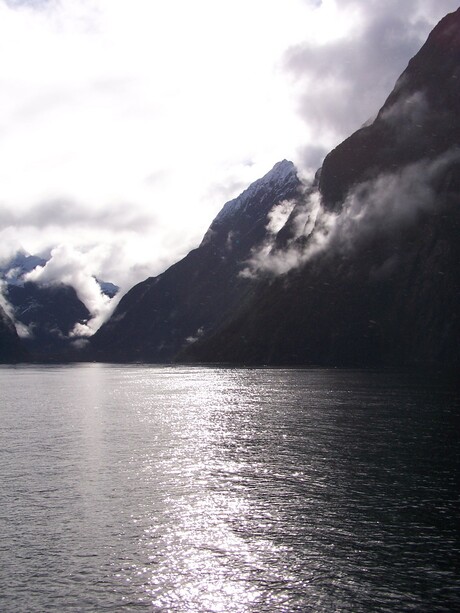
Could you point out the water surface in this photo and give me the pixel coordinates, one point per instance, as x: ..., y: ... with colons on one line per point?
x: 129, y: 488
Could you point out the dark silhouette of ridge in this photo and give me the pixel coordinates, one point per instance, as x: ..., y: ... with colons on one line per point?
x: 387, y: 293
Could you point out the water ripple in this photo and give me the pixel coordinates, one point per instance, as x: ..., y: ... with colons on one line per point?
x: 194, y: 489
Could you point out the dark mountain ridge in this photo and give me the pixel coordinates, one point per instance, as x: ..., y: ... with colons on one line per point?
x: 160, y: 316
x: 419, y: 118
x: 46, y: 312
x: 11, y: 348
x: 386, y: 290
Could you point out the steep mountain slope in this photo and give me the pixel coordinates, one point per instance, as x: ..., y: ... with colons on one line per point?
x: 161, y: 315
x: 376, y: 279
x: 11, y: 349
x: 419, y: 119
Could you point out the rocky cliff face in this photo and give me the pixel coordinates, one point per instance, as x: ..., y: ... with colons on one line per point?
x: 162, y: 315
x: 375, y: 279
x: 11, y: 349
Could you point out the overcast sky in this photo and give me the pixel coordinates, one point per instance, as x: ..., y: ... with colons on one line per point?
x: 125, y: 125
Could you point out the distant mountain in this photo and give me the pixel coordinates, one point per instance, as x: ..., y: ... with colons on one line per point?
x: 377, y: 278
x: 18, y: 266
x: 48, y: 312
x: 162, y: 315
x: 107, y: 288
x: 11, y: 349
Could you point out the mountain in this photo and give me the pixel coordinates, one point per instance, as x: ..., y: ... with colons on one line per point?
x: 364, y: 270
x: 376, y: 279
x: 11, y: 349
x: 107, y: 288
x: 18, y: 266
x: 418, y: 120
x: 46, y: 313
x: 160, y: 316
x: 49, y: 313
x: 360, y: 268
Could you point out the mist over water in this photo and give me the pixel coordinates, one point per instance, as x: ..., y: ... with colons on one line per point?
x: 129, y: 488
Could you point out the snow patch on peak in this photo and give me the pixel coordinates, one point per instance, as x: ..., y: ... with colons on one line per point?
x: 282, y: 173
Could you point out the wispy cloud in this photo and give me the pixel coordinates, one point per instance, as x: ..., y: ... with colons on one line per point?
x: 67, y: 266
x: 391, y: 201
x: 22, y: 330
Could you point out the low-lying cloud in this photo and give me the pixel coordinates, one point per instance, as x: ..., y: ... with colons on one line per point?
x: 22, y: 330
x: 389, y: 202
x: 67, y: 266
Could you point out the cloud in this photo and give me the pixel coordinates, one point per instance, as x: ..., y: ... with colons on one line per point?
x: 130, y: 125
x: 341, y: 83
x: 70, y: 267
x: 391, y: 201
x: 307, y: 219
x: 22, y: 330
x: 26, y: 3
x: 279, y: 215
x: 193, y: 339
x: 64, y: 213
x: 407, y: 111
x: 310, y: 158
x: 125, y: 127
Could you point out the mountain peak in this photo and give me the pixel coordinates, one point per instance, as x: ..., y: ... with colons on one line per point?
x: 18, y: 266
x: 283, y: 175
x: 161, y: 316
x: 447, y: 33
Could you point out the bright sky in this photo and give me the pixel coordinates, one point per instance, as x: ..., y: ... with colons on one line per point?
x: 125, y: 125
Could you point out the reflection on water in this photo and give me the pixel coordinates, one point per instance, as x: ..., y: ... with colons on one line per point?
x: 194, y: 489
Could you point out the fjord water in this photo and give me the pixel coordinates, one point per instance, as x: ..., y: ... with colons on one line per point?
x: 129, y: 488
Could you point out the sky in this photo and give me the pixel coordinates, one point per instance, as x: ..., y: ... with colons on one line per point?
x: 126, y: 125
